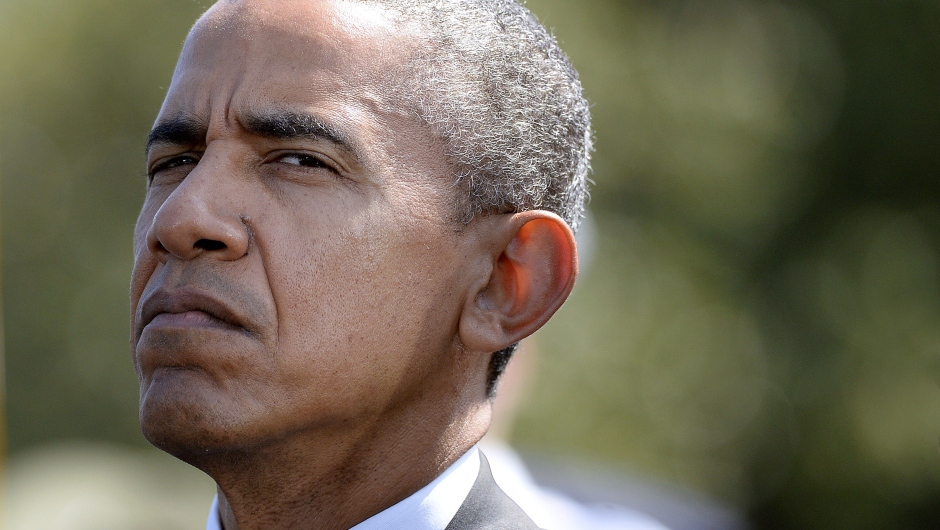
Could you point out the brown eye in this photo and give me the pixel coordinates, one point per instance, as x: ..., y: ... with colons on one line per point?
x: 175, y: 162
x: 296, y: 159
x: 172, y: 163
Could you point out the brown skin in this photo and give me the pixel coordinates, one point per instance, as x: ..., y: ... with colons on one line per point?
x: 308, y: 324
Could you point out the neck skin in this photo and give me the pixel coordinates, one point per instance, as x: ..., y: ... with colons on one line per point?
x: 336, y: 479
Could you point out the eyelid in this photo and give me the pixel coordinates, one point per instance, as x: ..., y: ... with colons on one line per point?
x: 162, y: 162
x: 327, y: 162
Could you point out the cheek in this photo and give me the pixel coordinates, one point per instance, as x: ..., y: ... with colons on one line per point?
x: 144, y: 261
x: 363, y: 310
x: 144, y: 266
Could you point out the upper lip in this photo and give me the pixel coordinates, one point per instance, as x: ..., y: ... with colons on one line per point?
x: 182, y: 300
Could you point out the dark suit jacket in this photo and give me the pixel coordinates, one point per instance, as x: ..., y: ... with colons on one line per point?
x: 488, y: 508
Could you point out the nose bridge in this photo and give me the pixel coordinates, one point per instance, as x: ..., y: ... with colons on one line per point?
x: 203, y: 214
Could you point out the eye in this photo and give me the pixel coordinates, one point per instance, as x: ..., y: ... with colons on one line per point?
x: 302, y: 160
x: 172, y: 163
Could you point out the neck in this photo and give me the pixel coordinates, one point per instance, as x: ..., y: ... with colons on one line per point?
x: 334, y: 480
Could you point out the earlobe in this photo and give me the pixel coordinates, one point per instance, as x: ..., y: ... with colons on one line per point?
x: 534, y: 264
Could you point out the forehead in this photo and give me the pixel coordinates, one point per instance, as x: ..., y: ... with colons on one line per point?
x: 255, y: 54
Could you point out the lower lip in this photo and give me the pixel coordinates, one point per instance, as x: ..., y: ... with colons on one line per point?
x: 188, y: 319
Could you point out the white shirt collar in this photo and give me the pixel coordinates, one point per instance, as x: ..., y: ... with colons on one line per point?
x: 430, y: 508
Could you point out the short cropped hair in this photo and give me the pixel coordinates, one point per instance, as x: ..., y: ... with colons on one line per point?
x: 491, y: 82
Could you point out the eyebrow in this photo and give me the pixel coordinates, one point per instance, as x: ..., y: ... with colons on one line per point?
x: 181, y: 130
x: 288, y: 125
x: 277, y: 125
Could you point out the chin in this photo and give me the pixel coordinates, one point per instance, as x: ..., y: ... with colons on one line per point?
x: 187, y: 420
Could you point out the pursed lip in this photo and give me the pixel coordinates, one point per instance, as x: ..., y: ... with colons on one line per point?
x: 178, y: 302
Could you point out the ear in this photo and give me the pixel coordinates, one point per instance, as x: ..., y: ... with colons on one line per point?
x: 533, y: 264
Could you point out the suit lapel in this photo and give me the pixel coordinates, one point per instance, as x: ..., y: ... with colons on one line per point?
x: 487, y: 507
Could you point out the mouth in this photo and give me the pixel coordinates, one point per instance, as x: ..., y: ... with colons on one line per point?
x: 187, y: 308
x: 188, y: 319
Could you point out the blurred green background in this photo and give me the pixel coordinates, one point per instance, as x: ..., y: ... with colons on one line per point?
x: 760, y: 320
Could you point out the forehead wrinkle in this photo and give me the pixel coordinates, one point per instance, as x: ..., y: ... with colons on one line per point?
x: 275, y: 44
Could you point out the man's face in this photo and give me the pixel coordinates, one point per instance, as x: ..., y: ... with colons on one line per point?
x: 295, y: 268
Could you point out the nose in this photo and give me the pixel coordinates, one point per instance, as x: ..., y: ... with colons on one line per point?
x: 199, y: 218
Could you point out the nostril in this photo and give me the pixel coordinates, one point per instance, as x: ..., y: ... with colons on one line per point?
x: 209, y: 244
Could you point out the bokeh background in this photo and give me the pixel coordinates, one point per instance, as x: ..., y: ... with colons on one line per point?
x: 760, y: 321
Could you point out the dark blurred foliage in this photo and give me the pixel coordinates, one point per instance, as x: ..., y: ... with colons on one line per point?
x: 81, y: 83
x: 760, y: 320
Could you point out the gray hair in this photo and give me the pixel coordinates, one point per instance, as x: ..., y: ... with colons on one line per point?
x: 494, y: 85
